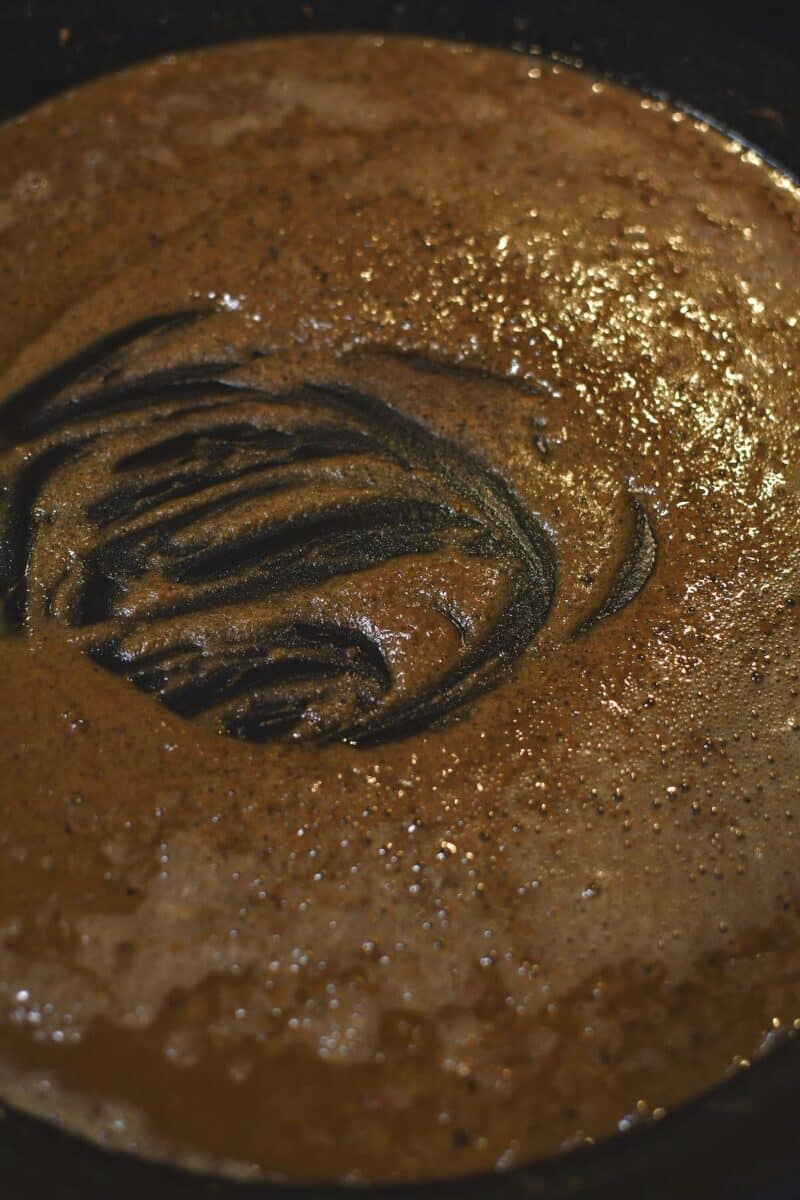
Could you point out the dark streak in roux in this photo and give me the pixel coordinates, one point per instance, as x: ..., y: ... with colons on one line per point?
x: 636, y: 569
x: 24, y: 412
x: 441, y: 499
x: 467, y: 371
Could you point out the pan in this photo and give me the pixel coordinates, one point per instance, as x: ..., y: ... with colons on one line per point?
x: 740, y: 68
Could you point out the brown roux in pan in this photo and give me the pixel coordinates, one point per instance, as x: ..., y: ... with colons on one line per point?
x: 327, y: 944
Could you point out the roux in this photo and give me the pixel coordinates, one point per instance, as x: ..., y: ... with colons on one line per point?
x: 401, y: 739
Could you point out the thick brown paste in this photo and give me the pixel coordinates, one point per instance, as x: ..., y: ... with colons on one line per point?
x: 400, y: 737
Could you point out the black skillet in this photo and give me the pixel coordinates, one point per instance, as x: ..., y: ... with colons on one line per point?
x: 741, y: 66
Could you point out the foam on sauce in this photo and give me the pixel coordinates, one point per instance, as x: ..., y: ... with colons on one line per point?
x: 462, y: 826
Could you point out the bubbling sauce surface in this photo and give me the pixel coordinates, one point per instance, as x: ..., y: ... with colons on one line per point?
x: 400, y: 743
